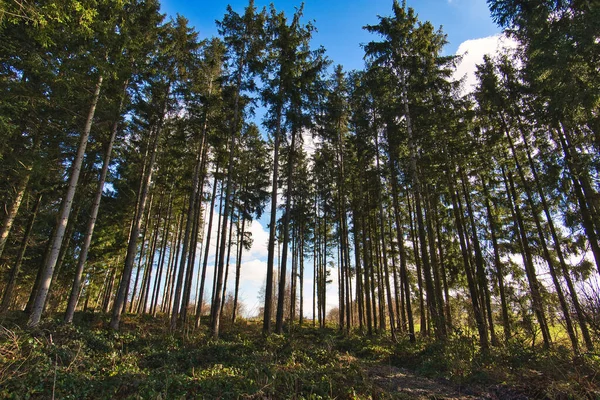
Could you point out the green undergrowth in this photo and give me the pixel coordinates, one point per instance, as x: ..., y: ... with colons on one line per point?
x: 510, y: 370
x: 146, y: 361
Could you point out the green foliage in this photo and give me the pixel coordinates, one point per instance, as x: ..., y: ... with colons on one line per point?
x: 145, y: 360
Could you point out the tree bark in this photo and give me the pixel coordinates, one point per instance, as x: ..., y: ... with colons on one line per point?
x: 14, y: 272
x: 479, y: 263
x: 63, y: 219
x: 73, y: 298
x: 534, y: 285
x: 238, y: 268
x: 14, y: 209
x: 498, y: 263
x: 272, y: 223
x: 475, y: 299
x: 286, y: 236
x: 206, y: 249
x: 132, y: 245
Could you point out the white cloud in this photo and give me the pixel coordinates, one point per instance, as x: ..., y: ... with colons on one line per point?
x: 254, y: 271
x: 260, y: 241
x: 473, y: 51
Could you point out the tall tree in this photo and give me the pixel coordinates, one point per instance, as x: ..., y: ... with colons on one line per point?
x: 244, y: 41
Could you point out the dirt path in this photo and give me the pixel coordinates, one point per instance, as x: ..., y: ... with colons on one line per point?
x: 401, y: 383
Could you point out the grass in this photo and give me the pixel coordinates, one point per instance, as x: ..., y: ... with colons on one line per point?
x: 145, y: 360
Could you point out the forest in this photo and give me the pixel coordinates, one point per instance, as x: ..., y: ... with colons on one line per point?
x: 460, y: 228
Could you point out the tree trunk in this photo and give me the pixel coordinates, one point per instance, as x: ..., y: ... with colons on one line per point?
x: 547, y: 255
x: 63, y: 219
x: 132, y: 245
x: 475, y: 299
x: 73, y: 298
x: 143, y: 306
x: 561, y: 259
x: 140, y: 266
x: 430, y: 215
x: 238, y: 268
x: 161, y: 259
x: 286, y: 236
x: 479, y: 262
x: 423, y: 318
x: 230, y: 242
x: 170, y: 283
x: 272, y: 223
x: 401, y: 249
x: 108, y: 293
x: 207, y: 248
x: 384, y: 264
x: 534, y: 285
x: 14, y: 272
x: 301, y: 319
x: 498, y: 263
x: 14, y: 209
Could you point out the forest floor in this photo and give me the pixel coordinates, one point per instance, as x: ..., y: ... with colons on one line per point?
x: 145, y: 361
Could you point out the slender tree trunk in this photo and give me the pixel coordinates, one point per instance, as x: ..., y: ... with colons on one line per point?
x: 238, y: 268
x: 176, y: 311
x: 150, y: 264
x: 219, y: 233
x: 293, y: 276
x: 14, y: 272
x: 170, y: 284
x: 73, y: 298
x: 140, y: 266
x: 581, y: 318
x: 357, y: 261
x: 120, y: 300
x: 534, y: 285
x: 207, y: 248
x: 55, y: 293
x: 447, y: 309
x: 286, y: 235
x: 377, y: 276
x: 145, y: 162
x: 108, y: 293
x: 366, y: 272
x: 102, y: 288
x: 63, y: 219
x: 423, y: 317
x: 401, y: 248
x: 479, y: 262
x: 584, y: 193
x: 547, y: 255
x: 12, y: 212
x: 384, y: 264
x: 14, y: 209
x: 316, y: 249
x: 398, y: 299
x: 161, y: 260
x: 475, y: 299
x: 229, y: 245
x: 272, y: 221
x: 430, y: 215
x: 498, y: 263
x: 36, y: 284
x: 301, y: 319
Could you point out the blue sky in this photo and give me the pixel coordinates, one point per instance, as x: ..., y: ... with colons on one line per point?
x: 339, y: 23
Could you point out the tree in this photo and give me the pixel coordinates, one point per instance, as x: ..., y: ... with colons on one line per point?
x: 177, y: 41
x: 243, y: 38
